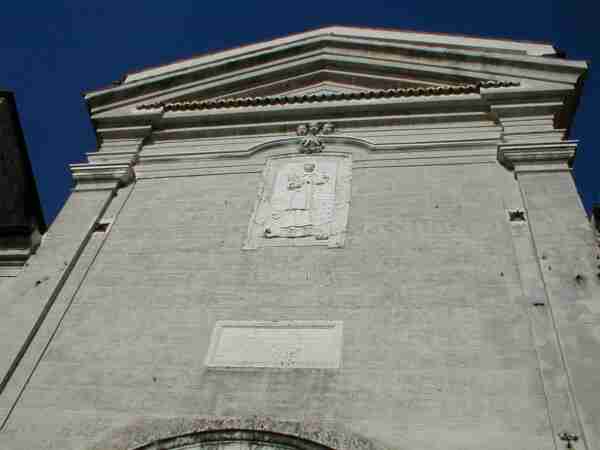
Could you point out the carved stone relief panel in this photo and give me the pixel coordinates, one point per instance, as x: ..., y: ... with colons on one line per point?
x: 303, y: 200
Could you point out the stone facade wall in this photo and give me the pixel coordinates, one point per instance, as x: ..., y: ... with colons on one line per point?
x: 570, y: 264
x: 463, y: 291
x: 437, y: 342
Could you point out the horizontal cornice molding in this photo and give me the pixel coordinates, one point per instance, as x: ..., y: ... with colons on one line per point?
x: 538, y: 157
x: 400, y: 108
x: 457, y: 142
x: 515, y: 102
x: 125, y: 132
x: 382, y: 107
x: 429, y: 91
x: 167, y: 165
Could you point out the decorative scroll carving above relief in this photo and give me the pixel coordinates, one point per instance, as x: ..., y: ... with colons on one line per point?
x: 309, y: 133
x: 303, y: 200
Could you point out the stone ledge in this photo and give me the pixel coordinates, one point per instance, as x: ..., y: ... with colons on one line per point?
x: 537, y: 157
x: 126, y: 132
x: 95, y: 173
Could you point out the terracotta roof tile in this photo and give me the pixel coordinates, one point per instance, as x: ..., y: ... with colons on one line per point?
x: 195, y: 105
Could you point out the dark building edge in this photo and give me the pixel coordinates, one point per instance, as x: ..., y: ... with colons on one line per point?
x: 33, y: 204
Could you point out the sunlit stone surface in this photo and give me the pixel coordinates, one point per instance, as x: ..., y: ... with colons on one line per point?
x: 243, y: 207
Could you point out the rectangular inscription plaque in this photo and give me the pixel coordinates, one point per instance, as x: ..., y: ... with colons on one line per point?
x: 284, y: 344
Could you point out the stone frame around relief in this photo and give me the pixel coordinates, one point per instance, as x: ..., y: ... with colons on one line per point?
x: 337, y: 207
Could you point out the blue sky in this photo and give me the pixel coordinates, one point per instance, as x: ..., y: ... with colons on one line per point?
x: 54, y: 51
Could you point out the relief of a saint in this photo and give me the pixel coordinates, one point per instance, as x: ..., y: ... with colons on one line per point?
x: 301, y: 202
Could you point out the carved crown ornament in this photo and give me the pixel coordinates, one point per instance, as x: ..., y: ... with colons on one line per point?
x: 310, y: 142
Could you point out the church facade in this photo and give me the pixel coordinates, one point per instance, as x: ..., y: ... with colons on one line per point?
x: 342, y: 239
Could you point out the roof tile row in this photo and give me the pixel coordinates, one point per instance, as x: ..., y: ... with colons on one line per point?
x: 195, y: 105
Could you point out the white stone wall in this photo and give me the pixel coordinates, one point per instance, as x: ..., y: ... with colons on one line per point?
x: 437, y: 341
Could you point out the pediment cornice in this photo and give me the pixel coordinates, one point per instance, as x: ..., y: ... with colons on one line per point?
x: 354, y: 35
x: 408, y: 57
x: 350, y: 77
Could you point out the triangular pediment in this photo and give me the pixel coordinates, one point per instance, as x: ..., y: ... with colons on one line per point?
x: 318, y: 83
x: 325, y: 88
x: 339, y: 61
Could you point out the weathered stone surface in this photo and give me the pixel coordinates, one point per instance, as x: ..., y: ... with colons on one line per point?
x: 466, y: 287
x: 308, y: 434
x: 432, y: 338
x: 27, y: 300
x: 568, y: 255
x: 303, y: 200
x: 280, y: 344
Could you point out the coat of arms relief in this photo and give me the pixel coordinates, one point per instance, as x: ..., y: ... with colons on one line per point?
x: 303, y: 200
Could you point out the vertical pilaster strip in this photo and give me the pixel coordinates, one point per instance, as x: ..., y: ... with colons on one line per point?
x: 17, y: 384
x: 561, y: 413
x: 562, y: 244
x: 28, y: 300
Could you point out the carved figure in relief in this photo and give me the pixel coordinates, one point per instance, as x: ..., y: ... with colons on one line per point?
x: 303, y: 200
x: 301, y: 203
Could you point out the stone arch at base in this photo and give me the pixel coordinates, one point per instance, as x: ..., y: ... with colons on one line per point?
x: 222, y: 432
